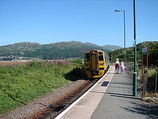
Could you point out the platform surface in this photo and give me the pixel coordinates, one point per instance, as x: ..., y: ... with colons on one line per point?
x: 111, y: 98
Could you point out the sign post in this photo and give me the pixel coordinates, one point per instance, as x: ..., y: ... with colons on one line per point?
x: 144, y: 70
x: 145, y: 57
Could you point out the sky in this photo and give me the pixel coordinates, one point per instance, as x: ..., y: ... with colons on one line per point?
x: 94, y: 21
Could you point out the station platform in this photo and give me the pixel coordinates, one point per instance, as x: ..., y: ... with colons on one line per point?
x: 110, y: 98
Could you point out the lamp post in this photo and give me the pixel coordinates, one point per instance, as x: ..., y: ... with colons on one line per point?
x: 135, y: 52
x: 124, y: 33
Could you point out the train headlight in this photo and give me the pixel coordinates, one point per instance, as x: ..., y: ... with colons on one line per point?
x: 88, y: 65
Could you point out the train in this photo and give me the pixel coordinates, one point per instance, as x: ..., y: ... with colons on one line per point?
x: 96, y: 63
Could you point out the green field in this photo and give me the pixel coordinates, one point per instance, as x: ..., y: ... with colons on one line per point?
x: 21, y: 83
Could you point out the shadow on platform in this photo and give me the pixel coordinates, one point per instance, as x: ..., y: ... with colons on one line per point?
x: 151, y: 111
x: 122, y: 95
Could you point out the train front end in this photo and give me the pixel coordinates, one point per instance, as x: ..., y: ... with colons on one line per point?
x: 94, y: 63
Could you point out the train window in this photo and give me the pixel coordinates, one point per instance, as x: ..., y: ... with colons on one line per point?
x: 100, y: 53
x: 93, y: 52
x: 101, y: 58
x: 87, y: 58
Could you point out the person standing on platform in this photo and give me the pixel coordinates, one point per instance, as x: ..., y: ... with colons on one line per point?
x: 117, y: 66
x: 122, y: 67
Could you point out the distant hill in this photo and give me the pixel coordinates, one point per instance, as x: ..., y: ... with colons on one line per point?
x: 59, y: 50
x: 111, y: 47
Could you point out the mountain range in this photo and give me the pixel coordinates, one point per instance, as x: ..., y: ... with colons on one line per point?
x: 59, y: 50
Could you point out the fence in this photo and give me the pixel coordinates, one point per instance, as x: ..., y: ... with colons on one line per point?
x: 147, y: 80
x: 151, y: 83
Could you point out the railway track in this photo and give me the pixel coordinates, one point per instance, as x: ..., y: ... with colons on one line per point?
x: 54, y: 109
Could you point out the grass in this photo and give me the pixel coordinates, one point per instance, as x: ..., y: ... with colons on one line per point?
x: 151, y: 85
x: 151, y: 80
x: 22, y: 83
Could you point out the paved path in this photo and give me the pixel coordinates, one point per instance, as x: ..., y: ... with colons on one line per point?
x: 118, y: 102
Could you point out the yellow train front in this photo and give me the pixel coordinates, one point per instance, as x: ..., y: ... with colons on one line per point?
x: 95, y: 63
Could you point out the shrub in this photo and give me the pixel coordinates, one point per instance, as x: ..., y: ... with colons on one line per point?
x: 151, y: 80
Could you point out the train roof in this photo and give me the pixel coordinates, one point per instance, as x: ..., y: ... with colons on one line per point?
x: 94, y: 50
x: 97, y: 51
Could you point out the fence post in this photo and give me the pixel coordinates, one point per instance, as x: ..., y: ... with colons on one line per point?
x: 156, y: 82
x: 145, y: 77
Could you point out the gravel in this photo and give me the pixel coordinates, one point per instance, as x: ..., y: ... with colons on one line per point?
x: 32, y: 108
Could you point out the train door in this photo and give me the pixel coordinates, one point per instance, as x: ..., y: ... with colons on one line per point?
x: 94, y: 61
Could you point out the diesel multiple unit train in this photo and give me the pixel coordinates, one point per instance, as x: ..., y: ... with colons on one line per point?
x: 96, y: 63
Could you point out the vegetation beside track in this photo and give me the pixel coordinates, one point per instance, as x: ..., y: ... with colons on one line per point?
x: 152, y: 81
x: 22, y: 83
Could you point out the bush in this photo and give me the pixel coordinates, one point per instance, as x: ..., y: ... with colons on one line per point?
x: 151, y: 80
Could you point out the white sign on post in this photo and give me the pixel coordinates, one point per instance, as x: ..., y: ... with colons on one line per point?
x: 145, y: 50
